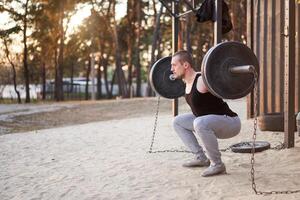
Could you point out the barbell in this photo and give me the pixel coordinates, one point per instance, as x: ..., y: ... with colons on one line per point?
x: 228, y: 70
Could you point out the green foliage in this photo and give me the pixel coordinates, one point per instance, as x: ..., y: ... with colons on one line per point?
x: 95, y: 34
x: 7, y: 32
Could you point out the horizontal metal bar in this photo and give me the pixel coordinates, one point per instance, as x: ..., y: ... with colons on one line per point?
x: 242, y: 69
x: 182, y: 14
x: 166, y: 6
x: 187, y: 12
x: 189, y: 5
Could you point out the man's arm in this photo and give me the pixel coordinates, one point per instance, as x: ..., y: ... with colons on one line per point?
x: 201, y: 87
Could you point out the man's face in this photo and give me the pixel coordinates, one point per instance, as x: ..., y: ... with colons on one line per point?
x: 177, y: 68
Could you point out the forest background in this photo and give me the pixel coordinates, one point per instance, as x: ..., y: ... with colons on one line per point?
x: 55, y: 42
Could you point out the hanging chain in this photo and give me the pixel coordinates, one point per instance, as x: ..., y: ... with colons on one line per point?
x: 281, y: 146
x: 155, y: 125
x: 154, y: 132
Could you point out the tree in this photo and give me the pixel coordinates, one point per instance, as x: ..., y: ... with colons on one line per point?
x: 5, y: 37
x: 138, y: 11
x: 130, y: 17
x: 108, y: 10
x: 119, y: 72
x: 59, y: 13
x: 59, y: 92
x: 21, y: 14
x: 44, y: 42
x: 88, y: 72
x: 73, y: 56
x: 146, y: 29
x: 155, y: 44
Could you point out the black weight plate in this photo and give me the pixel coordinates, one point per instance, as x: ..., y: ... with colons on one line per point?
x: 246, y: 147
x: 215, y: 70
x: 160, y: 80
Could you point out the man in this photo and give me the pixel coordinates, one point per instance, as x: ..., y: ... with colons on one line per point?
x: 211, y: 118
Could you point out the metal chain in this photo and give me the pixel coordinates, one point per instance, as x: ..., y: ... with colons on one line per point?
x: 154, y: 132
x: 278, y: 147
x: 225, y: 149
x: 155, y: 125
x: 281, y: 146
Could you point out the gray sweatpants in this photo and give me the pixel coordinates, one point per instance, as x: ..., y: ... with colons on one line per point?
x: 209, y: 128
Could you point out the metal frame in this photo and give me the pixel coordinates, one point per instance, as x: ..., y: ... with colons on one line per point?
x: 174, y: 11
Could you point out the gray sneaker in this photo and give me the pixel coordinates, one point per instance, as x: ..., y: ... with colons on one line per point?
x: 197, y: 163
x: 214, y: 170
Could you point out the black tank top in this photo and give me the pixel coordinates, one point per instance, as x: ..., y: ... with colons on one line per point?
x: 206, y: 103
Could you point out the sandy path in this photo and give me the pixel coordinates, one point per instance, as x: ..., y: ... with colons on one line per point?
x: 109, y: 160
x: 28, y: 117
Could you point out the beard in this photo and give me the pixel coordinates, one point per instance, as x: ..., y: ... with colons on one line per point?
x: 178, y: 76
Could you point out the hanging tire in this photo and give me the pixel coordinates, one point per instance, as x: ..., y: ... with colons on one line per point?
x: 246, y: 147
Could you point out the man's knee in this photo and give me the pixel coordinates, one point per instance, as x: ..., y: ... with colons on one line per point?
x: 177, y: 120
x: 201, y: 125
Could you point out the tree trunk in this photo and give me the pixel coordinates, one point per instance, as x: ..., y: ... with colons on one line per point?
x: 130, y: 71
x: 138, y: 74
x: 130, y: 43
x: 72, y: 76
x: 180, y: 35
x: 188, y: 31
x: 55, y: 71
x: 155, y: 36
x: 154, y: 47
x: 14, y: 71
x: 99, y: 80
x: 119, y: 72
x: 234, y: 17
x: 60, y: 70
x: 43, y: 74
x: 108, y: 91
x: 87, y: 78
x: 198, y: 53
x: 138, y: 38
x: 112, y: 83
x: 15, y: 84
x: 25, y: 56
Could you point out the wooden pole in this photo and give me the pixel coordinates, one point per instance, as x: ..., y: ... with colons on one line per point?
x: 175, y: 29
x: 250, y: 97
x: 289, y: 74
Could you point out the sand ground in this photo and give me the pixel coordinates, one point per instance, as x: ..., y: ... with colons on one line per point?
x: 98, y: 150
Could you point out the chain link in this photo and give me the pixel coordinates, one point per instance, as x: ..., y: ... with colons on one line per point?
x: 278, y: 147
x: 155, y: 125
x: 154, y: 132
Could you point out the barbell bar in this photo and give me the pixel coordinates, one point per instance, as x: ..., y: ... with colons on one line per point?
x: 228, y: 70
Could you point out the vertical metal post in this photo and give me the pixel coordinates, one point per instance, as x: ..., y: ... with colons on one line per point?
x: 218, y: 22
x: 289, y: 73
x: 175, y: 29
x: 93, y: 75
